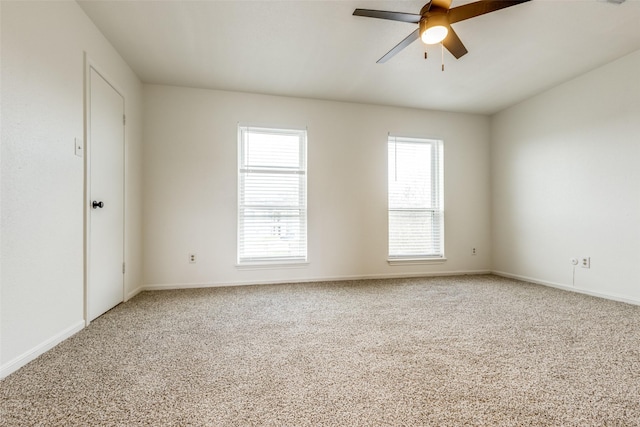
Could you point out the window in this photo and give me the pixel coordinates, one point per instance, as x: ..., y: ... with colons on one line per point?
x: 272, y: 195
x: 416, y: 219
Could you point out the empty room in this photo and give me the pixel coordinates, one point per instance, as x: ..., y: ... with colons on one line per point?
x: 320, y: 212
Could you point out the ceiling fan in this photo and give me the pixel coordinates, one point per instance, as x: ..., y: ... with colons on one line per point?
x: 435, y: 21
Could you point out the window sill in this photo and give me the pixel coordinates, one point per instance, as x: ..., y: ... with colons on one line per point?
x: 276, y: 265
x: 410, y: 261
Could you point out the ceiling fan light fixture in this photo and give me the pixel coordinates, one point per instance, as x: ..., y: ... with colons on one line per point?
x: 434, y: 29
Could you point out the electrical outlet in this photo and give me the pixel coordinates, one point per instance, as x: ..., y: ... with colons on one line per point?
x: 574, y: 261
x: 193, y: 258
x: 474, y: 251
x: 585, y: 262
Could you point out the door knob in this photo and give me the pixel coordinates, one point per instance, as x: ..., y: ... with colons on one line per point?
x: 96, y: 205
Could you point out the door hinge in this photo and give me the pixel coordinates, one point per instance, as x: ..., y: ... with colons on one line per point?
x: 123, y: 268
x: 124, y: 119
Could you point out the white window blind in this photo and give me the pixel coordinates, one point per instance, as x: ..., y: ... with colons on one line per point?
x: 272, y: 195
x: 416, y: 219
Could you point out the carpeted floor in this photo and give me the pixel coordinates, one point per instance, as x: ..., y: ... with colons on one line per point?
x: 454, y: 351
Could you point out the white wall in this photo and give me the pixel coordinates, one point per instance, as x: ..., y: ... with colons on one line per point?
x: 43, y: 45
x: 190, y: 149
x: 566, y: 183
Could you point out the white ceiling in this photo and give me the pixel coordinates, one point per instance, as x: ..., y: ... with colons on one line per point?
x: 317, y: 49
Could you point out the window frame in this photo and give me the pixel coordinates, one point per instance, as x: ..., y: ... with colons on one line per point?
x: 243, y: 170
x: 436, y: 174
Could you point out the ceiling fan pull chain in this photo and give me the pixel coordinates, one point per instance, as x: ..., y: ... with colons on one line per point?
x: 442, y: 45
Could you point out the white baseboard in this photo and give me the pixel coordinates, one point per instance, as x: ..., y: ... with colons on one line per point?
x: 23, y: 359
x: 133, y: 293
x: 168, y: 286
x: 612, y: 297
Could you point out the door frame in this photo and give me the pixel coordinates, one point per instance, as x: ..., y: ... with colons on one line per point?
x: 88, y: 65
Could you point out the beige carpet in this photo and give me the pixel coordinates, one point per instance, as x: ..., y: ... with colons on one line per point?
x: 456, y: 351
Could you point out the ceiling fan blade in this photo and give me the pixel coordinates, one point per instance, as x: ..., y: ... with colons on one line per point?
x: 454, y: 45
x: 411, y: 18
x: 478, y: 8
x: 404, y: 43
x: 425, y: 8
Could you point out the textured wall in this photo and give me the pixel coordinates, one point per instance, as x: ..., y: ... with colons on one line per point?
x: 190, y: 152
x: 566, y: 183
x: 43, y: 45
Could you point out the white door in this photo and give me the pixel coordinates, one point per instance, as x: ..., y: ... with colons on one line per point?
x: 105, y: 255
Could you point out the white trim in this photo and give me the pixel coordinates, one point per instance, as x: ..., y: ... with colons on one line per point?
x: 17, y: 363
x: 266, y: 126
x: 244, y: 169
x: 570, y: 288
x: 436, y: 172
x: 414, y: 136
x: 89, y: 64
x: 133, y: 293
x: 267, y: 265
x: 168, y: 286
x: 410, y: 261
